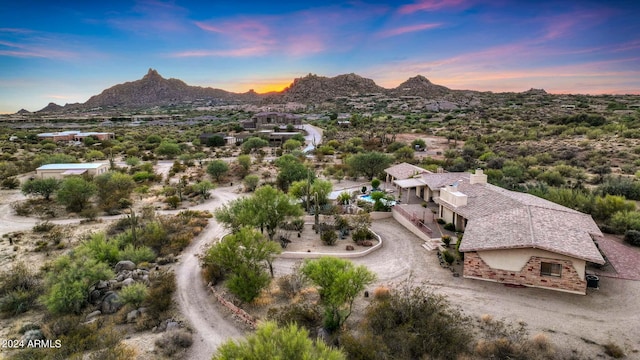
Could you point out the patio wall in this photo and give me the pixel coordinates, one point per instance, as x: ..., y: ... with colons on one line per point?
x: 409, y: 225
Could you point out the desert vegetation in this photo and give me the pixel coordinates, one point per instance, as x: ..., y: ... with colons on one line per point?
x: 586, y: 158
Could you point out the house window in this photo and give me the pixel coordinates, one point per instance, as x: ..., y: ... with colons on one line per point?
x: 550, y: 269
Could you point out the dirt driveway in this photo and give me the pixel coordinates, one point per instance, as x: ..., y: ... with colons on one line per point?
x: 608, y: 314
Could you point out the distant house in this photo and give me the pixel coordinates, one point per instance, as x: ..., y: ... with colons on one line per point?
x: 270, y: 120
x: 511, y: 237
x: 59, y: 171
x: 75, y: 136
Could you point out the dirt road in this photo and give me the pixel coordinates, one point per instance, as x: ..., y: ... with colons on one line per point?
x: 211, y: 326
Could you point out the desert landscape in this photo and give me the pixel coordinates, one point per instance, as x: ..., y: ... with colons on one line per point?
x: 414, y: 179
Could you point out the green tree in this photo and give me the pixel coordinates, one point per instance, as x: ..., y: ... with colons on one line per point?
x: 93, y: 155
x: 217, y: 169
x: 203, y: 187
x: 245, y: 164
x: 168, y: 149
x: 339, y: 283
x: 266, y: 209
x: 68, y: 281
x: 253, y: 143
x: 215, y: 141
x: 370, y: 164
x: 41, y: 187
x: 291, y: 169
x: 608, y: 205
x: 272, y: 342
x: 74, y: 193
x: 245, y: 255
x: 112, y: 188
x: 251, y: 182
x: 291, y: 145
x: 405, y: 153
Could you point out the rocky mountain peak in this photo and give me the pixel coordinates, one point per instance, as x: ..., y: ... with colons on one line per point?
x: 152, y: 74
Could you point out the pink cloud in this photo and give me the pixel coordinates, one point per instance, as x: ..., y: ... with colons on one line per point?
x: 237, y: 52
x: 407, y: 29
x: 429, y: 5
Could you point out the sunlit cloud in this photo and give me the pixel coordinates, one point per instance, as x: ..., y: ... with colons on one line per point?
x: 238, y: 52
x: 296, y: 34
x: 430, y: 5
x: 407, y: 29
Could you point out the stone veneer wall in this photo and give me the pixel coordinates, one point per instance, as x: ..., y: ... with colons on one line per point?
x: 529, y: 275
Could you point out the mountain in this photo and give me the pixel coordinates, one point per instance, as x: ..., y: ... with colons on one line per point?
x: 154, y: 90
x: 419, y: 86
x: 52, y: 107
x: 313, y: 88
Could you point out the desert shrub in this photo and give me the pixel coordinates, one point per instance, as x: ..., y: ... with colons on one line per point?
x: 246, y: 283
x: 411, y: 323
x: 632, y: 237
x: 102, y: 249
x: 291, y: 284
x: 329, y: 237
x: 101, y: 340
x: 137, y: 254
x: 44, y: 226
x: 10, y: 183
x: 68, y: 279
x: 440, y: 221
x: 134, y: 294
x: 361, y: 234
x: 212, y: 272
x: 448, y: 257
x: 501, y: 340
x: 381, y: 293
x: 612, y: 349
x: 304, y: 314
x: 450, y: 227
x: 171, y: 342
x: 446, y: 240
x: 21, y: 208
x: 160, y: 293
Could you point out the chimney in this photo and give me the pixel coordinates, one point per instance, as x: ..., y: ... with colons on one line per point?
x: 478, y: 178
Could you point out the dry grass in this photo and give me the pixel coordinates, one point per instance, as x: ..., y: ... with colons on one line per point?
x: 614, y: 350
x: 381, y: 293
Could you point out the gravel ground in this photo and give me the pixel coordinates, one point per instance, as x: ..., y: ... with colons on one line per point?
x: 570, y: 321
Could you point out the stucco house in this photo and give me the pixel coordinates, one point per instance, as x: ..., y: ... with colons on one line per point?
x: 59, y: 171
x: 270, y: 120
x: 511, y: 237
x: 73, y: 135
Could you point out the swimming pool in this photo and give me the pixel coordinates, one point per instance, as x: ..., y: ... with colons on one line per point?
x: 368, y: 198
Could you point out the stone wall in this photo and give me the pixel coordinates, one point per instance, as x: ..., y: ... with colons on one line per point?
x: 529, y: 275
x: 237, y: 312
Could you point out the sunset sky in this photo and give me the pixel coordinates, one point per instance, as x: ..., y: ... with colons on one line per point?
x: 67, y: 52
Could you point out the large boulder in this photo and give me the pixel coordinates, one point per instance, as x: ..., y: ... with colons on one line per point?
x: 132, y: 316
x: 110, y: 303
x: 125, y: 265
x: 94, y: 314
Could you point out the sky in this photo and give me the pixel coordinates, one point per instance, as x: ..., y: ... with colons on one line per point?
x: 68, y: 51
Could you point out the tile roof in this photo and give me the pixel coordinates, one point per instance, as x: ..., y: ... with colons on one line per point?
x: 501, y: 219
x: 404, y: 170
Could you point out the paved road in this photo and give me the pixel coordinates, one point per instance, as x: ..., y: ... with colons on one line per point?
x: 313, y: 138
